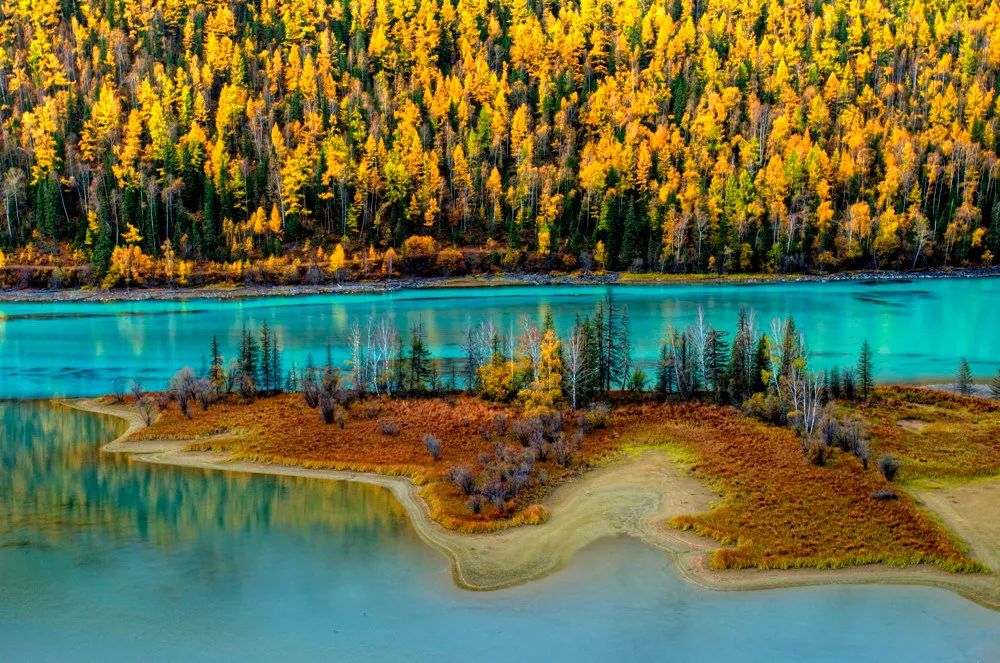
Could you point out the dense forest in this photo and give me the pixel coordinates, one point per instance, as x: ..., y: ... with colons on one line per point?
x: 153, y: 137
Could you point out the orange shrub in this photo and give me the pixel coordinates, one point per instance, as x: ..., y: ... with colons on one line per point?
x: 416, y: 245
x: 450, y: 261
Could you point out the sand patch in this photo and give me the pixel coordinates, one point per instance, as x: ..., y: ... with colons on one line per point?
x: 972, y: 511
x: 913, y: 425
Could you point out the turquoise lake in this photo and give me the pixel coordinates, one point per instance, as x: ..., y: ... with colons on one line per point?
x: 106, y: 558
x: 102, y: 558
x: 919, y: 329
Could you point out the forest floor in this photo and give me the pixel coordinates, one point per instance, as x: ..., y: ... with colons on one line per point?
x: 730, y: 498
x: 234, y: 291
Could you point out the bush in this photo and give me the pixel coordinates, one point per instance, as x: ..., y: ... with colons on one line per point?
x: 433, y: 446
x: 552, y: 424
x: 339, y: 417
x: 816, y: 452
x: 889, y: 467
x: 450, y: 261
x: 767, y: 408
x: 529, y: 431
x: 595, y: 417
x: 416, y: 245
x: 388, y: 427
x: 476, y: 504
x: 326, y: 407
x: 463, y: 478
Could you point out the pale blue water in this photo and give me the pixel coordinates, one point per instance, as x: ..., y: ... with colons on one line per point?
x: 106, y: 559
x: 919, y: 329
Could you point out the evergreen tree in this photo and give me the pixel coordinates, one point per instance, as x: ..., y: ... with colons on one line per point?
x: 275, y: 363
x: 963, y: 380
x: 664, y: 372
x: 216, y: 372
x: 864, y: 372
x: 622, y: 351
x: 422, y: 371
x: 848, y: 384
x: 760, y: 361
x: 835, y: 389
x: 716, y: 360
x: 995, y: 385
x: 265, y: 375
x: 249, y: 362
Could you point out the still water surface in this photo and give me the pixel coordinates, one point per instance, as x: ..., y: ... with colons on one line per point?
x: 103, y: 558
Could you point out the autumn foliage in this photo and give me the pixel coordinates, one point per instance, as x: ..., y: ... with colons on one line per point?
x: 779, y: 511
x: 715, y: 136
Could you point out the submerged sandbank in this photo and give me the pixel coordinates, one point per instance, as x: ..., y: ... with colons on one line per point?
x: 635, y: 495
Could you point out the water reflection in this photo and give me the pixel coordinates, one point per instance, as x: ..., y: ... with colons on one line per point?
x: 151, y: 339
x: 57, y: 488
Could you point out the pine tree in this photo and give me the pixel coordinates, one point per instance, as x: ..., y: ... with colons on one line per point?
x: 864, y: 372
x: 716, y: 359
x: 760, y: 360
x: 275, y: 363
x: 995, y: 385
x: 623, y: 351
x: 249, y: 358
x: 963, y: 380
x: 216, y: 372
x: 265, y: 376
x: 421, y: 369
x: 664, y: 373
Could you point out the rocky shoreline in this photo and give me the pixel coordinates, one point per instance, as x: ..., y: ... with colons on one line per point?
x: 499, y: 280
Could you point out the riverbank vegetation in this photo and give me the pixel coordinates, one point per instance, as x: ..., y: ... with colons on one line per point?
x: 306, y: 142
x: 808, y: 463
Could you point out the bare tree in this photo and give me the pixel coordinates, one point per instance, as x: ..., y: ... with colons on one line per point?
x: 183, y: 386
x: 577, y: 369
x: 146, y: 407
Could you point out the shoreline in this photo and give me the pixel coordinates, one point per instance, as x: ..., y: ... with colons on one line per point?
x: 224, y: 292
x: 633, y: 495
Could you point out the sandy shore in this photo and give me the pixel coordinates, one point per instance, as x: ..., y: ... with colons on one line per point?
x: 472, y: 281
x: 635, y: 496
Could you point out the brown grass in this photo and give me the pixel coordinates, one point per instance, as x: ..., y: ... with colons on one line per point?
x: 935, y: 434
x: 778, y: 511
x: 283, y: 430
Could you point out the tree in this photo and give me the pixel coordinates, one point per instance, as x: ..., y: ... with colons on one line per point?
x: 546, y: 388
x: 265, y: 375
x: 577, y: 368
x: 865, y: 383
x: 963, y: 379
x: 128, y: 262
x: 995, y: 385
x: 217, y: 371
x: 420, y: 364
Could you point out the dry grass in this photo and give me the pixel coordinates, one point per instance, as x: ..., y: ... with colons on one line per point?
x: 936, y: 435
x: 283, y: 430
x: 778, y: 511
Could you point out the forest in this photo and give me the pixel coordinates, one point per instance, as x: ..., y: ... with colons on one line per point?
x: 175, y: 141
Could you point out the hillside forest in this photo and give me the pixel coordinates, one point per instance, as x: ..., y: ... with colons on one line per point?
x: 172, y: 140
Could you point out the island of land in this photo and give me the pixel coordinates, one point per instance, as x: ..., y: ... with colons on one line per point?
x: 732, y: 499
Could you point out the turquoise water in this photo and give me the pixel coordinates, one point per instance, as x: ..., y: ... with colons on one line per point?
x: 102, y: 558
x: 919, y: 329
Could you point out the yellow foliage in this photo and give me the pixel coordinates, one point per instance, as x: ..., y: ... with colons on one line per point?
x: 418, y: 245
x: 337, y: 260
x: 546, y: 389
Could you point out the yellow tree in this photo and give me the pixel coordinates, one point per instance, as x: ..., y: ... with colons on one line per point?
x: 128, y: 262
x: 546, y: 389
